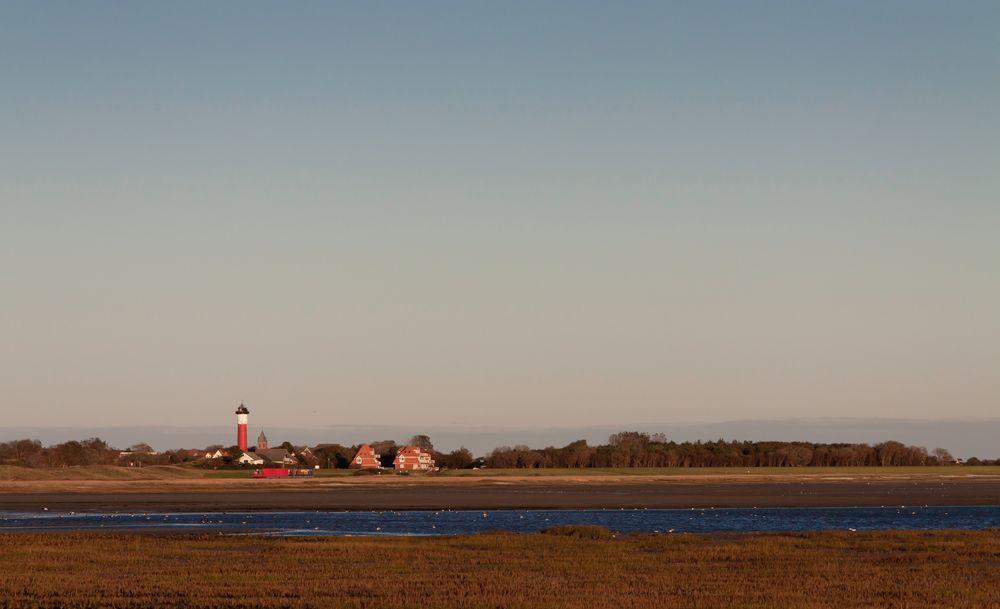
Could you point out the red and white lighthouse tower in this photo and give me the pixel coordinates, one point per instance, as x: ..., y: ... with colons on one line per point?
x: 241, y: 427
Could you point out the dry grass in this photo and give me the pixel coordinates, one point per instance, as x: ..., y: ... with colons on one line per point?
x: 902, y: 470
x: 100, y: 472
x: 827, y: 570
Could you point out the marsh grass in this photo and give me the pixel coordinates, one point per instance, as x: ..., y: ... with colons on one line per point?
x: 914, y: 570
x: 580, y: 531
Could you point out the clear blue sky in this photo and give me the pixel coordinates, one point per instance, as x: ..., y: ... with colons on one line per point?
x: 483, y: 213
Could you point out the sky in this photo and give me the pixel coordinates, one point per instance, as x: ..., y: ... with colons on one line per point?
x: 490, y: 214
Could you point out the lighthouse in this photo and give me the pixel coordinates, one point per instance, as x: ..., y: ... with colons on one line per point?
x: 241, y: 427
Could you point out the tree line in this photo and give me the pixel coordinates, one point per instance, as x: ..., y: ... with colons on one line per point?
x: 625, y: 449
x: 95, y: 451
x: 31, y: 453
x: 636, y: 449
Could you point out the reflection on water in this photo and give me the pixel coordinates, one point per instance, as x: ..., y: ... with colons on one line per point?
x: 520, y: 521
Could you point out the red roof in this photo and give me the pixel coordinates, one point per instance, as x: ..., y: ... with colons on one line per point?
x: 366, y: 458
x: 413, y: 457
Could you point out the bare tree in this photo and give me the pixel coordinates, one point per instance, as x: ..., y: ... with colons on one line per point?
x: 422, y: 441
x: 943, y: 456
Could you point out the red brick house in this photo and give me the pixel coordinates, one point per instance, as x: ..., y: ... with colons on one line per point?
x: 413, y: 458
x: 366, y: 458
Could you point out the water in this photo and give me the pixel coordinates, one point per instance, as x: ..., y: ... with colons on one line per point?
x: 739, y: 520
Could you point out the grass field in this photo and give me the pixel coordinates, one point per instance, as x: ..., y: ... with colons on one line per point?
x: 100, y: 472
x: 726, y: 471
x: 248, y: 473
x: 153, y: 472
x: 915, y: 570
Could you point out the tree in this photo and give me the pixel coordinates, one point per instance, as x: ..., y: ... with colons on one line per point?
x: 456, y: 459
x: 943, y: 456
x: 423, y: 442
x: 334, y: 455
x: 629, y: 448
x: 502, y: 457
x: 799, y: 455
x: 141, y: 447
x: 386, y: 450
x: 233, y: 453
x: 21, y: 452
x: 71, y: 453
x: 95, y: 444
x: 890, y: 453
x: 577, y: 454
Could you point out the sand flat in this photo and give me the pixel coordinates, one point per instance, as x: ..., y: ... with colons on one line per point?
x: 509, y: 492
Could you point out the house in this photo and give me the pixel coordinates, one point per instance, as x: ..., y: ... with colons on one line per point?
x: 262, y: 454
x: 366, y: 458
x: 268, y: 455
x: 413, y: 458
x: 250, y: 459
x: 307, y: 457
x: 277, y: 455
x: 138, y: 449
x: 218, y: 454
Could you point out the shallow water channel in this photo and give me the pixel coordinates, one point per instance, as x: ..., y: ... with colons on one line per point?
x: 519, y: 521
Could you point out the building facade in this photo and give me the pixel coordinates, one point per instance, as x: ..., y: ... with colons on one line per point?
x: 250, y: 459
x: 366, y: 458
x: 413, y: 458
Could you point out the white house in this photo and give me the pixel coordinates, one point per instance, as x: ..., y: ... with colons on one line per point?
x: 250, y: 459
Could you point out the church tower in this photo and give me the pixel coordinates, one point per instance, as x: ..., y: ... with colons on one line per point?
x: 262, y: 441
